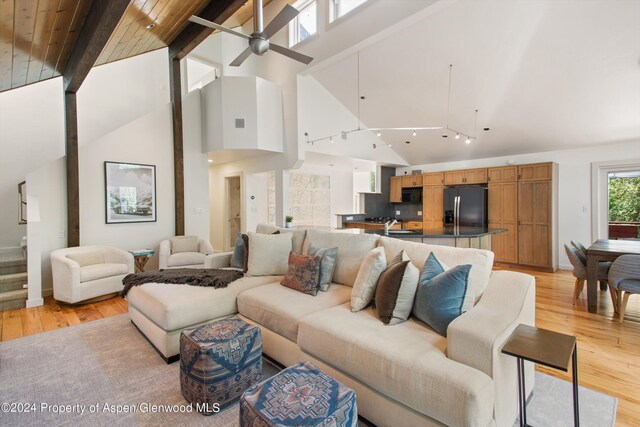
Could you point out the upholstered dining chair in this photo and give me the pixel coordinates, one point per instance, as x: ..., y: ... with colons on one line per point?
x: 580, y: 273
x: 624, y: 276
x: 582, y: 254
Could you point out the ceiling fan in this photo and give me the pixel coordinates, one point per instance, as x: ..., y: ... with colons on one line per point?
x: 259, y: 40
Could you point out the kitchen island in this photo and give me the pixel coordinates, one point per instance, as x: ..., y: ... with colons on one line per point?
x: 461, y: 237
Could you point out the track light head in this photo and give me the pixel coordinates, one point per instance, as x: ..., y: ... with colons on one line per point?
x: 468, y: 140
x: 457, y: 136
x: 414, y: 133
x: 378, y: 133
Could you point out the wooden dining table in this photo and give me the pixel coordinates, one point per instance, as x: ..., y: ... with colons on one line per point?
x: 604, y: 250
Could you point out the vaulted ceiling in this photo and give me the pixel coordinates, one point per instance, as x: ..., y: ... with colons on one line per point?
x: 38, y: 36
x: 544, y: 75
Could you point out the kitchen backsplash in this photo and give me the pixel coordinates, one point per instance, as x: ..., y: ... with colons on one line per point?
x: 408, y: 211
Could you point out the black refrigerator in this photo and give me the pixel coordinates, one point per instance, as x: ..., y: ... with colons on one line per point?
x: 465, y: 206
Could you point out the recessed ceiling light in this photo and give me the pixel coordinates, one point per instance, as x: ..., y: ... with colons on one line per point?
x: 444, y: 135
x: 414, y: 133
x: 331, y: 140
x: 407, y: 142
x: 389, y: 145
x: 486, y: 129
x: 150, y: 26
x: 210, y: 161
x: 330, y: 164
x: 378, y: 133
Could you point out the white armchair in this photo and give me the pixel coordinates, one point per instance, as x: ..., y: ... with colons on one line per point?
x: 86, y: 272
x: 184, y: 252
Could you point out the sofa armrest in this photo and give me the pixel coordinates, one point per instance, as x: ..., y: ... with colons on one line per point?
x: 476, y: 338
x: 119, y: 256
x: 218, y: 260
x: 65, y: 273
x: 163, y: 254
x: 205, y: 247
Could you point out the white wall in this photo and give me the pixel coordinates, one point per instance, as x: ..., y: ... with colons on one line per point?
x: 574, y: 210
x: 31, y: 135
x: 115, y: 94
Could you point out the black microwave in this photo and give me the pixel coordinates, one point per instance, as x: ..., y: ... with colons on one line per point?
x: 412, y: 195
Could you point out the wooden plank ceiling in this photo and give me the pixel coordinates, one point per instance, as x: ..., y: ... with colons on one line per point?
x: 37, y: 36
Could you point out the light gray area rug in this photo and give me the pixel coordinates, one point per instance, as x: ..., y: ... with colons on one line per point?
x: 108, y: 362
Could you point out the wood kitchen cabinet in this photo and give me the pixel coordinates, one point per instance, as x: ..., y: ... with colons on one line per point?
x: 503, y: 213
x: 535, y: 172
x: 433, y: 178
x: 504, y: 174
x: 432, y: 209
x: 412, y: 225
x: 409, y: 181
x: 535, y: 223
x: 469, y: 176
x: 453, y: 177
x: 395, y: 193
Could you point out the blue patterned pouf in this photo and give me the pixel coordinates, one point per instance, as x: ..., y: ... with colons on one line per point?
x: 218, y: 362
x: 301, y: 395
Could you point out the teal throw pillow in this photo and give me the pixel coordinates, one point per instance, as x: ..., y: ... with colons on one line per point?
x: 440, y: 294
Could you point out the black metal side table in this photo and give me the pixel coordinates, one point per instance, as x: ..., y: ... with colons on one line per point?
x: 547, y: 348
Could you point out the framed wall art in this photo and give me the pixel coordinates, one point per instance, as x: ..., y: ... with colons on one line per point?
x: 130, y: 192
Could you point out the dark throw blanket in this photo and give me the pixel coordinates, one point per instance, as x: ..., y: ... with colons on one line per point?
x: 209, y: 277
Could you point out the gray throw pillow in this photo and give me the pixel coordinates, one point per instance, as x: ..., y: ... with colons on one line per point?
x: 237, y: 259
x: 327, y: 265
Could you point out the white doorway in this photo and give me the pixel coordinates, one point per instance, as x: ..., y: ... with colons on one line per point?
x: 233, y: 227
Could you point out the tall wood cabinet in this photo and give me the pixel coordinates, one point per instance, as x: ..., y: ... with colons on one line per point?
x: 503, y: 212
x: 432, y: 206
x: 537, y: 215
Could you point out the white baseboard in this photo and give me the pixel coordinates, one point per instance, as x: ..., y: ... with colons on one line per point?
x: 47, y: 292
x: 565, y: 267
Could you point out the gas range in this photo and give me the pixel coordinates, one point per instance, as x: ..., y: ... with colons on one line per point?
x: 381, y: 219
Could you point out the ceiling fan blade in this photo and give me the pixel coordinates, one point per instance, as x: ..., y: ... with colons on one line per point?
x: 198, y: 20
x: 287, y: 14
x: 290, y: 53
x: 241, y: 58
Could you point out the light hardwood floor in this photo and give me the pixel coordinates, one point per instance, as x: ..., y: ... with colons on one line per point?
x: 608, y: 352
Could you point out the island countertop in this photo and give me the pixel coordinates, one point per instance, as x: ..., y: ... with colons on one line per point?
x: 436, y: 233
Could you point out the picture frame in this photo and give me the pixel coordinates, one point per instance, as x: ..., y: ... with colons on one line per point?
x: 130, y: 193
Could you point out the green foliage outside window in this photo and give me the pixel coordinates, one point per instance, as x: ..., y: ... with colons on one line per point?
x: 624, y: 199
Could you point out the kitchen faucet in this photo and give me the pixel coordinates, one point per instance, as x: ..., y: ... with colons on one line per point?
x: 388, y: 225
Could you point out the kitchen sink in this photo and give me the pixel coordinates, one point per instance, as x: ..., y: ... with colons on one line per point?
x: 402, y: 232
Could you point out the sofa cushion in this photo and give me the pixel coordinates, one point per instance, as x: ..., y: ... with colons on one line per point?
x: 481, y: 260
x: 280, y: 309
x: 440, y: 295
x: 352, y: 248
x: 268, y: 254
x: 297, y: 238
x: 303, y: 273
x: 174, y: 307
x: 184, y: 244
x: 92, y: 272
x: 87, y: 258
x: 365, y: 285
x: 186, y: 258
x: 395, y: 292
x: 411, y: 367
x: 327, y: 265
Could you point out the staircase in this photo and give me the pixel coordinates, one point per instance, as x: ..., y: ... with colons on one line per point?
x: 13, y: 277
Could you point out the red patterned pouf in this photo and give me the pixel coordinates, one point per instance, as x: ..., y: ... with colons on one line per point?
x: 218, y: 362
x: 301, y: 395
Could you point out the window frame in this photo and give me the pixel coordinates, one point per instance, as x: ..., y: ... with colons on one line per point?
x: 294, y: 35
x: 332, y: 7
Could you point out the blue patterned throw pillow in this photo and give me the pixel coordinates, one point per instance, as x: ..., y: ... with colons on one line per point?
x: 327, y: 265
x: 440, y: 294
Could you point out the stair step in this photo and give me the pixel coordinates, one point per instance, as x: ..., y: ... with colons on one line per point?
x: 13, y: 299
x: 12, y: 266
x: 12, y: 282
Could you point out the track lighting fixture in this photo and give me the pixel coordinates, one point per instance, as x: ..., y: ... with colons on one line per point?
x: 414, y: 133
x: 457, y: 136
x: 468, y: 140
x: 378, y: 133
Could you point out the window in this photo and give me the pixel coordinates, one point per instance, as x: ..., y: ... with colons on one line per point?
x: 305, y: 24
x: 339, y: 8
x: 624, y: 205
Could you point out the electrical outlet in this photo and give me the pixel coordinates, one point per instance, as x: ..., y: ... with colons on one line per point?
x: 198, y: 211
x: 585, y: 209
x: 419, y: 213
x: 397, y: 212
x: 61, y: 234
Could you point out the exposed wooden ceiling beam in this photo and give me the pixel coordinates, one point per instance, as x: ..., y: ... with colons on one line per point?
x: 101, y: 21
x: 216, y: 11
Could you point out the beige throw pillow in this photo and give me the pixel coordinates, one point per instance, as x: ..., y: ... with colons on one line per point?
x: 364, y: 287
x: 184, y: 244
x: 268, y: 254
x: 87, y: 258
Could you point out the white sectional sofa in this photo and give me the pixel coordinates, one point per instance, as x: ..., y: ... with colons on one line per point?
x: 404, y: 374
